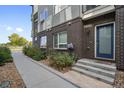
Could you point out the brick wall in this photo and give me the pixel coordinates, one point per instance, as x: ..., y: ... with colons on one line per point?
x: 74, y: 35
x: 89, y: 39
x: 119, y: 19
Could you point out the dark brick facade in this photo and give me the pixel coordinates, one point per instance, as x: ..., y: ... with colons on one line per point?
x: 120, y: 37
x: 74, y: 30
x: 89, y: 32
x: 80, y: 33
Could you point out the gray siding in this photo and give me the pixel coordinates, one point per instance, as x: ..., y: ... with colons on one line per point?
x: 59, y: 18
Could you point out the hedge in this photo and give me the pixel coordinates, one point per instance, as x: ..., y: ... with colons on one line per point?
x: 34, y: 52
x: 5, y: 55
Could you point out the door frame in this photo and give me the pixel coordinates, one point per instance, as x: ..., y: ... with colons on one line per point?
x: 113, y: 22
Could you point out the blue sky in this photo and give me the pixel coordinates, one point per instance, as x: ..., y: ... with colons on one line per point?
x: 15, y: 19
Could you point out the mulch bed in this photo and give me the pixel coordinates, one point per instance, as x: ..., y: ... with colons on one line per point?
x: 8, y: 72
x: 48, y: 63
x: 119, y: 79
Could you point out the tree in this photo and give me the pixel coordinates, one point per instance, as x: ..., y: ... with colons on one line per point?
x: 30, y: 43
x: 16, y: 40
x: 22, y: 41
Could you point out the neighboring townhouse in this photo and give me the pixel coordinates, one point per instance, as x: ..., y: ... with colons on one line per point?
x: 94, y: 31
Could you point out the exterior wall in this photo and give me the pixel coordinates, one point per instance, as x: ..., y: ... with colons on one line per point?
x: 35, y: 9
x: 61, y: 17
x: 89, y: 33
x: 34, y: 20
x: 96, y: 11
x: 50, y: 11
x: 74, y: 35
x: 120, y: 37
x: 56, y: 19
x: 80, y: 33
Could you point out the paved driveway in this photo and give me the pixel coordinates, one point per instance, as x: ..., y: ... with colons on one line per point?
x: 36, y: 76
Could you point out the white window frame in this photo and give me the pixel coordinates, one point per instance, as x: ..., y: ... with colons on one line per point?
x: 58, y: 43
x: 42, y: 46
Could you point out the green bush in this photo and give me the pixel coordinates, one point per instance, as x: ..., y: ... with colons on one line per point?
x: 5, y: 49
x: 35, y: 53
x: 5, y: 55
x: 62, y: 59
x: 1, y: 60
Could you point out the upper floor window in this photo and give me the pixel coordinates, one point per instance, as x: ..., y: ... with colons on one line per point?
x: 36, y: 26
x: 59, y: 8
x: 44, y: 14
x: 88, y: 7
x: 35, y: 9
x: 36, y: 16
x: 68, y: 13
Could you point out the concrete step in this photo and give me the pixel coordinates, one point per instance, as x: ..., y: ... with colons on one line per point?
x: 103, y: 78
x: 96, y: 70
x: 97, y: 65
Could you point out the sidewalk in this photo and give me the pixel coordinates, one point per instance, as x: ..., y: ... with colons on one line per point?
x: 85, y: 81
x: 36, y: 76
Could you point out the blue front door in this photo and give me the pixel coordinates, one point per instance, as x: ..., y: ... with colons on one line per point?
x: 105, y: 41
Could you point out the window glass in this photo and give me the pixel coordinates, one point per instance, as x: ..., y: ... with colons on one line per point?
x: 105, y: 39
x: 56, y: 41
x: 44, y: 14
x: 60, y: 40
x: 49, y: 22
x: 68, y: 13
x: 62, y: 16
x: 35, y: 38
x: 36, y: 26
x: 63, y: 37
x: 58, y: 8
x: 62, y: 45
x: 43, y: 41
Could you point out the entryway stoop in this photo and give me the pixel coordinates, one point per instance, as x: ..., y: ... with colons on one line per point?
x: 95, y: 69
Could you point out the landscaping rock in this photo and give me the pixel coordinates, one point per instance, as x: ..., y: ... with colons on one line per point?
x: 5, y: 84
x: 119, y: 79
x: 9, y: 76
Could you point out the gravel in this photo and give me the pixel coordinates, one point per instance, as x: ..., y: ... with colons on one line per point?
x: 9, y: 73
x: 119, y: 79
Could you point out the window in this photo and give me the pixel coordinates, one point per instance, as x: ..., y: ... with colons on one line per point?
x: 89, y: 7
x: 35, y: 38
x: 60, y: 40
x: 35, y: 27
x: 68, y: 13
x: 43, y: 42
x: 44, y: 14
x: 49, y: 22
x: 58, y: 8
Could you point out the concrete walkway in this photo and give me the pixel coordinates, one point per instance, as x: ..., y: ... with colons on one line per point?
x: 85, y: 81
x: 35, y: 76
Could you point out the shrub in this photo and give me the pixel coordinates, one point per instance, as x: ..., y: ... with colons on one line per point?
x: 5, y: 55
x: 62, y: 59
x: 5, y: 49
x: 1, y: 61
x: 34, y: 52
x: 24, y: 49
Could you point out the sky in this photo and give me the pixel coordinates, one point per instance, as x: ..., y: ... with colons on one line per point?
x: 15, y: 19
